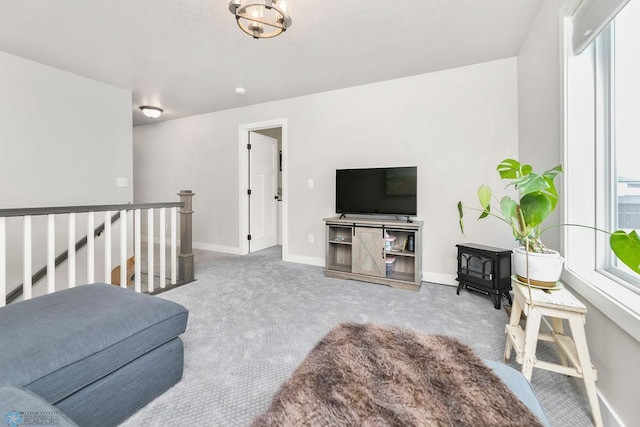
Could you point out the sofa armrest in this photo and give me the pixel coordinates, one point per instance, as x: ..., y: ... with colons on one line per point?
x: 19, y: 406
x: 519, y: 386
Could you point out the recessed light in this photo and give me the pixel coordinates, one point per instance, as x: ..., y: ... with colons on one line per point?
x: 151, y: 112
x: 241, y: 90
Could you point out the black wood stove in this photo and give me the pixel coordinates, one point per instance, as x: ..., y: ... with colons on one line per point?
x: 485, y: 269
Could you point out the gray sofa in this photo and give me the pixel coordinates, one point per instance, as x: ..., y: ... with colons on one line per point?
x: 95, y: 353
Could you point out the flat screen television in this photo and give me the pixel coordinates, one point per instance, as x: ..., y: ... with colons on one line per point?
x: 377, y: 191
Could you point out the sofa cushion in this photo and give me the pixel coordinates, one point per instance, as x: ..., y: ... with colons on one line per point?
x: 19, y: 406
x: 112, y: 399
x: 59, y: 343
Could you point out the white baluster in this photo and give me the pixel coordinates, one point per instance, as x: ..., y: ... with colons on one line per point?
x: 3, y: 262
x: 123, y: 249
x: 90, y: 248
x: 174, y: 252
x: 137, y: 250
x: 71, y: 250
x: 26, y: 261
x: 161, y: 241
x: 51, y: 254
x: 107, y: 247
x: 150, y: 250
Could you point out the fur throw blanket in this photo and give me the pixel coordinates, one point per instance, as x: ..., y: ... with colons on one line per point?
x: 368, y: 375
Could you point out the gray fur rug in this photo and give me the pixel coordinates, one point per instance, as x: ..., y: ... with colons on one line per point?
x: 364, y: 374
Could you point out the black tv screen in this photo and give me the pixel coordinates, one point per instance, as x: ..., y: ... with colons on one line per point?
x: 384, y: 191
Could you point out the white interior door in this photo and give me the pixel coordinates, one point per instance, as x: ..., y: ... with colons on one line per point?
x: 263, y: 183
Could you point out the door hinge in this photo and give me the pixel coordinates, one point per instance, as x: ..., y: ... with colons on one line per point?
x: 248, y: 146
x: 248, y: 236
x: 249, y: 191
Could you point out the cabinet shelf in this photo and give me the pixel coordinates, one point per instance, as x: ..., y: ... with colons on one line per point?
x: 406, y: 277
x: 402, y: 253
x: 346, y: 268
x: 359, y: 249
x: 339, y: 242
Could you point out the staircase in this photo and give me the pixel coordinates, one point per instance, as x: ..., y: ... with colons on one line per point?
x: 92, y: 258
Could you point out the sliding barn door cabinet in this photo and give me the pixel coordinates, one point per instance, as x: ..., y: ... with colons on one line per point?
x: 386, y: 252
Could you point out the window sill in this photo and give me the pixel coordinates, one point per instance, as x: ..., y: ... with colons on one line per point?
x: 618, y: 303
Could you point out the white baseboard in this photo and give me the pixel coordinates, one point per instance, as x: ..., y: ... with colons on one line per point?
x: 217, y: 248
x: 199, y: 245
x: 427, y: 276
x: 609, y: 416
x: 443, y: 279
x: 299, y: 259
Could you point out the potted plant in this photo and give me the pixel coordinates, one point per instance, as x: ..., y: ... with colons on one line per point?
x: 536, y: 198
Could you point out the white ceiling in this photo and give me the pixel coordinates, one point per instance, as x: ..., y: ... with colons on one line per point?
x: 187, y: 56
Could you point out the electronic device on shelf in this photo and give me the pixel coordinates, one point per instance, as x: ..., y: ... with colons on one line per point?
x: 377, y: 191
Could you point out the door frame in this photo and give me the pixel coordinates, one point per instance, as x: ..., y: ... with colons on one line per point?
x: 243, y: 170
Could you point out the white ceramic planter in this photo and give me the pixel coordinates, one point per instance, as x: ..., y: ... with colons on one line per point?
x: 543, y: 268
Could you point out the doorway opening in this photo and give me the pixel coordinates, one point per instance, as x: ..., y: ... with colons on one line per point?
x: 263, y: 186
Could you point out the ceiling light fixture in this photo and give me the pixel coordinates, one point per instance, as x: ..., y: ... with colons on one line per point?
x: 262, y: 19
x: 151, y: 112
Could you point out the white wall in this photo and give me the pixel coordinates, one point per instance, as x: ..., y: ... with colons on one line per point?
x: 539, y: 116
x: 64, y: 140
x: 455, y: 125
x: 614, y: 352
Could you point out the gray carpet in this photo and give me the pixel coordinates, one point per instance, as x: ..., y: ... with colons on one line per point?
x: 254, y: 318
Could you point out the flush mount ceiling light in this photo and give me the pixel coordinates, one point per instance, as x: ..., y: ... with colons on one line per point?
x: 262, y: 19
x: 151, y: 112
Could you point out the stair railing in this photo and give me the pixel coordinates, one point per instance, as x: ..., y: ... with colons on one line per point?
x: 40, y: 274
x: 122, y: 211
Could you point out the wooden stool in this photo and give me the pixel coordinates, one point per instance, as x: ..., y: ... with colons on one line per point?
x: 556, y: 305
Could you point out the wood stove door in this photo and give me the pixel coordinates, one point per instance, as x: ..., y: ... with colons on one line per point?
x: 368, y: 252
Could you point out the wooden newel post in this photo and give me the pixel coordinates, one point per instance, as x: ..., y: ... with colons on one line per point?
x: 185, y: 258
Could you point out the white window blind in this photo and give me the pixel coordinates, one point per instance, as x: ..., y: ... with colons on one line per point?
x: 590, y: 18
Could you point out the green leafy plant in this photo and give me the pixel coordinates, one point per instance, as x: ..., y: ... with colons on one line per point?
x: 537, y: 199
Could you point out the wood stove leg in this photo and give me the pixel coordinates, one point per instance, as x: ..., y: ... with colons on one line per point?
x: 508, y: 295
x: 496, y: 300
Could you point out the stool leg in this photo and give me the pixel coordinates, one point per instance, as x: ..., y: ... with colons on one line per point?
x: 514, y: 319
x: 576, y: 323
x: 530, y: 342
x: 558, y: 328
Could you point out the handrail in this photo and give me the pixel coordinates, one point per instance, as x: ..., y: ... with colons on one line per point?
x: 81, y: 209
x: 13, y: 295
x: 185, y: 270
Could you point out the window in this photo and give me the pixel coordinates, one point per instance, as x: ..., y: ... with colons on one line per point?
x: 601, y: 188
x: 618, y: 78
